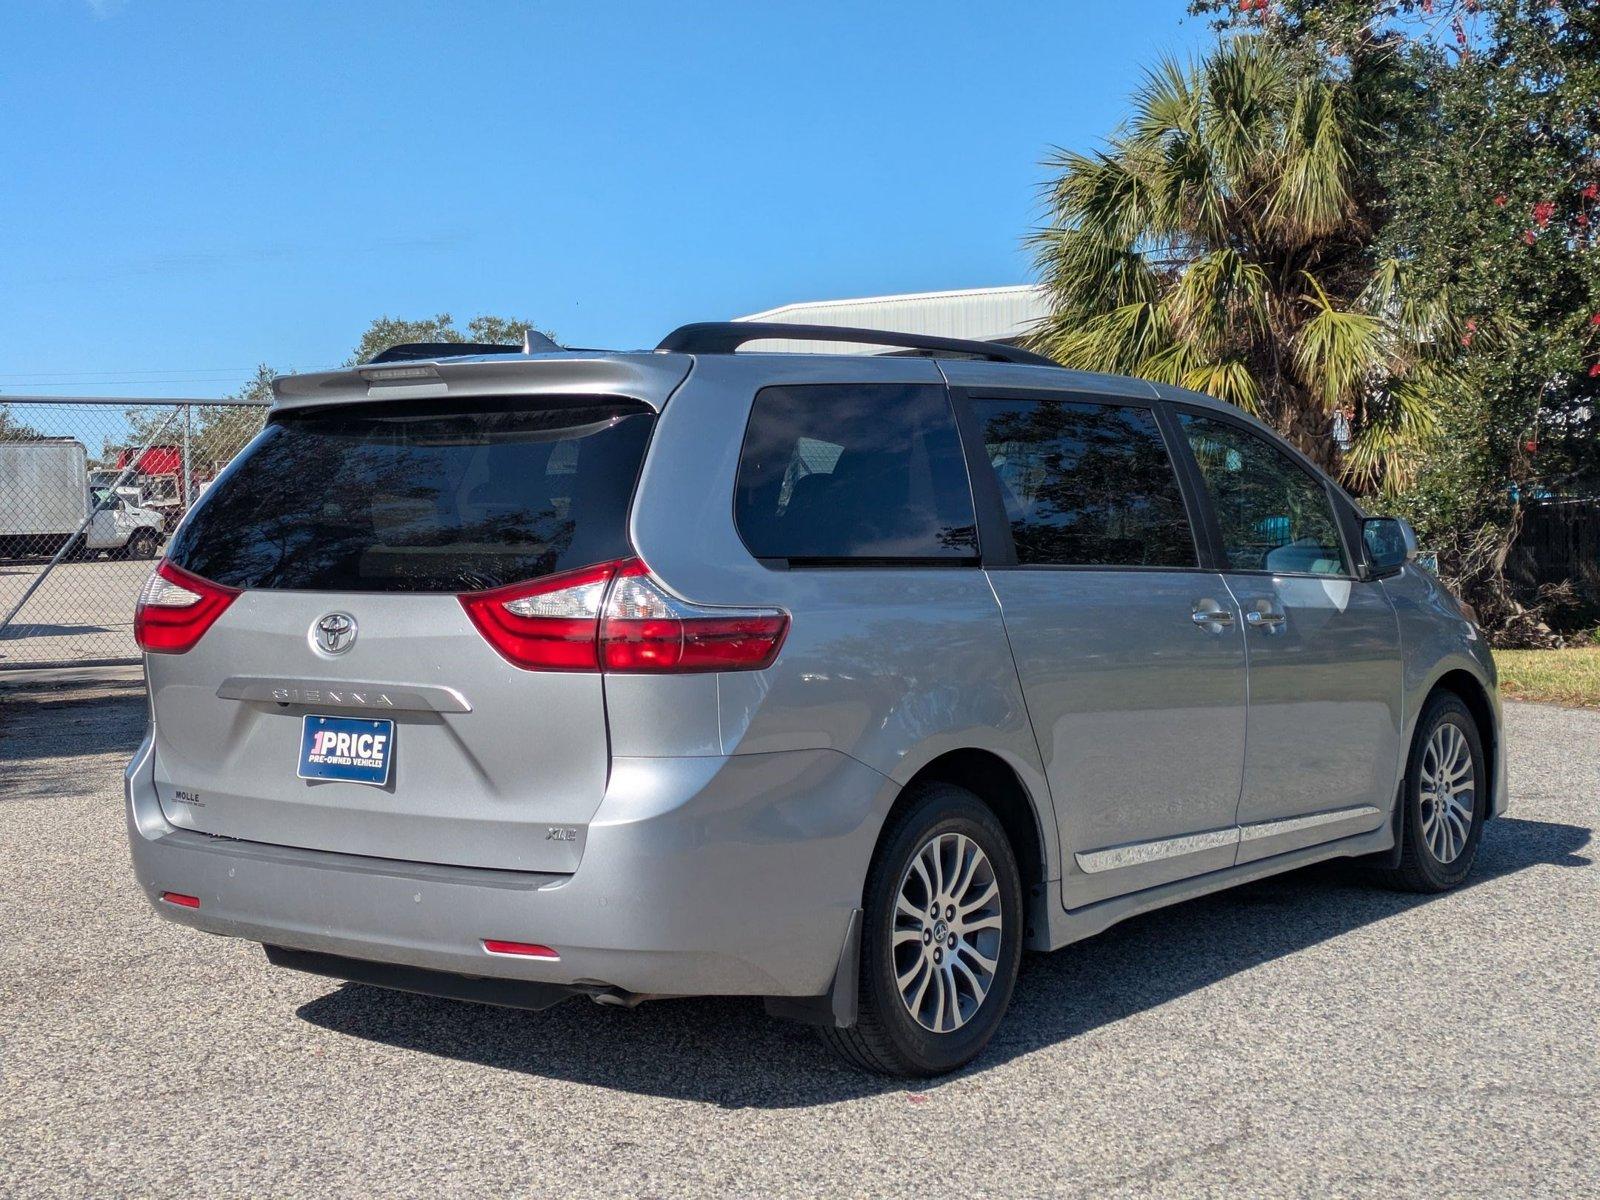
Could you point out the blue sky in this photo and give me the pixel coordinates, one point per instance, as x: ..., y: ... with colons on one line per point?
x: 187, y: 189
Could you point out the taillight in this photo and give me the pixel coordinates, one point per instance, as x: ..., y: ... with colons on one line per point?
x: 175, y: 609
x: 645, y: 629
x: 615, y: 617
x: 548, y: 625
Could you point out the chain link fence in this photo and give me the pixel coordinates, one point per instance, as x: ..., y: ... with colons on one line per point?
x: 90, y: 491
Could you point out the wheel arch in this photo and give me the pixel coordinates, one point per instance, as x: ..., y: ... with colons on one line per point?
x: 1475, y: 695
x: 997, y: 784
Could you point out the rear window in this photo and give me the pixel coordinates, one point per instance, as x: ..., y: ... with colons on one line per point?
x: 834, y: 473
x: 414, y: 497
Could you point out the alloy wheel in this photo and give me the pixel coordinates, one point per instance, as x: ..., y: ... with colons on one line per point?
x: 1449, y: 793
x: 947, y: 928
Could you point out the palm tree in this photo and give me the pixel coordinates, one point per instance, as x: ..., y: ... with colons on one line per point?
x: 1223, y: 243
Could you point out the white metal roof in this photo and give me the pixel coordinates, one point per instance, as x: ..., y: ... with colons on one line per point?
x: 983, y: 314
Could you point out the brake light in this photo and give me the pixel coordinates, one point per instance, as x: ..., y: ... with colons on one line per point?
x: 645, y: 629
x: 175, y: 609
x: 550, y: 624
x: 615, y: 617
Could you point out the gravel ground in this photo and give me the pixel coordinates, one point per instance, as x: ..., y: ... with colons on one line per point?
x: 1308, y: 1035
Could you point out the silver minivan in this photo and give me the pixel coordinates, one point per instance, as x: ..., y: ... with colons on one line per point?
x: 514, y: 673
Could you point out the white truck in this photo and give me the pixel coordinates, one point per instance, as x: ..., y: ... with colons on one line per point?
x: 46, y: 503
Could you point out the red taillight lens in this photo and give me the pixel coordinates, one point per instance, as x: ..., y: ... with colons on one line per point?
x: 523, y: 949
x: 175, y: 609
x: 614, y: 617
x: 547, y: 625
x: 646, y: 629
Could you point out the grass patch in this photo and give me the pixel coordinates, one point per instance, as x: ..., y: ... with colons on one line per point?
x: 1558, y: 676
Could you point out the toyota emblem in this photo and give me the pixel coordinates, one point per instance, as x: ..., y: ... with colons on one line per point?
x: 334, y: 633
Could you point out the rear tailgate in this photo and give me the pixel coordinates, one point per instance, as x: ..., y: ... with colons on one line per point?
x: 380, y: 515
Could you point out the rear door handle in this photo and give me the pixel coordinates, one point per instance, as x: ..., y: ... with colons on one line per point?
x: 1258, y: 618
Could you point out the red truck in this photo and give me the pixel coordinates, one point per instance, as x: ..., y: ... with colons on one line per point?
x: 158, y: 473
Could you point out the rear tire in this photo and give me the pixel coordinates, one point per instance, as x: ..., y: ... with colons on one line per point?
x: 1445, y: 798
x: 944, y: 850
x: 142, y: 545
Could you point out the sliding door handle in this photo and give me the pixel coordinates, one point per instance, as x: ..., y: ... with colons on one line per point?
x: 1211, y: 616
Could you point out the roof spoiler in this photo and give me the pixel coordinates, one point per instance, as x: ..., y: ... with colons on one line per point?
x: 724, y: 337
x: 533, y: 342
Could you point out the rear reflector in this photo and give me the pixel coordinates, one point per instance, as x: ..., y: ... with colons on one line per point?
x: 181, y: 900
x: 175, y: 609
x: 616, y: 617
x: 524, y: 949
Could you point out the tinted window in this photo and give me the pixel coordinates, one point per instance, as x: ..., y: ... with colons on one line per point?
x: 854, y: 471
x: 415, y: 498
x: 1274, y: 515
x: 1086, y: 484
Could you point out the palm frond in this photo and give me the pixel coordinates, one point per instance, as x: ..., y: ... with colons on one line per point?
x: 1312, y: 196
x: 1230, y: 380
x: 1338, y: 350
x: 1220, y: 298
x: 1117, y: 342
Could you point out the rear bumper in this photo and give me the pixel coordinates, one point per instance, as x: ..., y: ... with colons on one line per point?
x: 717, y: 875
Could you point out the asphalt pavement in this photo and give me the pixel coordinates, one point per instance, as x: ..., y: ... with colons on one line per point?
x: 81, y: 612
x: 1308, y: 1035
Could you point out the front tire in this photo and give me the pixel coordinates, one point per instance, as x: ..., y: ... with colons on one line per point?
x: 1446, y: 796
x: 941, y: 938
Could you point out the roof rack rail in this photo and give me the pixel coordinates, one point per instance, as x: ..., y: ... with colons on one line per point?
x: 533, y: 342
x: 724, y: 337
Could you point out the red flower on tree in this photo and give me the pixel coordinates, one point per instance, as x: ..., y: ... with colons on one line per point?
x: 1542, y: 212
x: 1529, y: 236
x: 1501, y: 200
x: 1594, y: 370
x: 1591, y: 191
x: 1595, y: 320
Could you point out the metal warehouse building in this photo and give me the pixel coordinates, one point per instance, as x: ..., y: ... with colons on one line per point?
x: 996, y: 314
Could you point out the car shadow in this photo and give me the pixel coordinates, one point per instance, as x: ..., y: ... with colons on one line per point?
x: 728, y: 1052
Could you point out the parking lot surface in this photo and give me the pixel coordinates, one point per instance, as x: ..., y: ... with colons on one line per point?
x: 1308, y: 1035
x: 82, y: 611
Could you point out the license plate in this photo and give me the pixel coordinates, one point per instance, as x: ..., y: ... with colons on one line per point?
x: 354, y: 749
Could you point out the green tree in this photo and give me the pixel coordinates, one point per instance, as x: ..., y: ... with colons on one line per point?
x: 13, y: 430
x: 1225, y: 241
x: 1488, y: 155
x: 389, y: 331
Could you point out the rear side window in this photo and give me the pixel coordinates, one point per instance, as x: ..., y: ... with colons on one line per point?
x: 416, y: 497
x: 1086, y: 484
x: 834, y: 473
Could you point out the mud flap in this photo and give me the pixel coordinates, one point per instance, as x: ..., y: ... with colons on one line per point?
x: 837, y: 1006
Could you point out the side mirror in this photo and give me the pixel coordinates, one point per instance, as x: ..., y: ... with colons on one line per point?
x: 1391, y: 544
